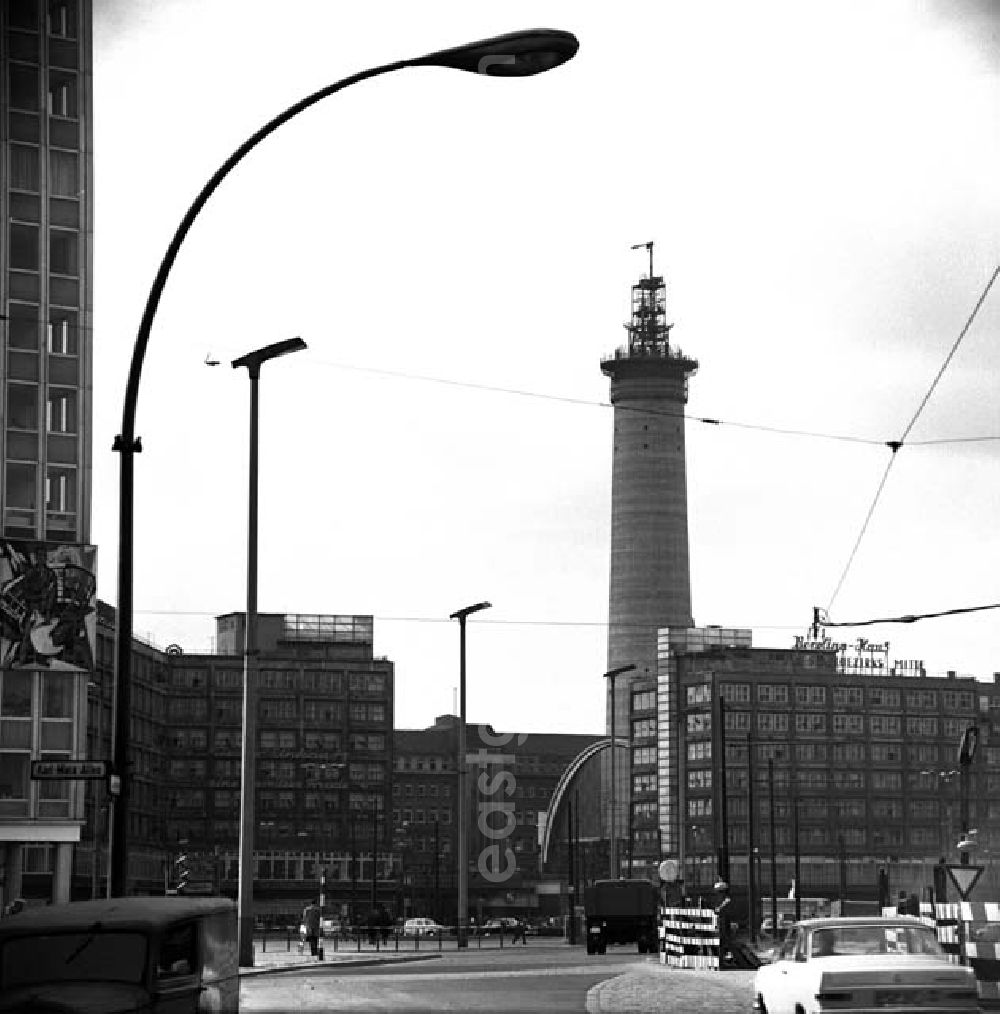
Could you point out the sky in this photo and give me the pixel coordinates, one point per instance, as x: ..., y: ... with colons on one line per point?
x: 820, y: 183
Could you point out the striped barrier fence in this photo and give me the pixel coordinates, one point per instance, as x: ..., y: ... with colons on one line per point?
x: 689, y: 937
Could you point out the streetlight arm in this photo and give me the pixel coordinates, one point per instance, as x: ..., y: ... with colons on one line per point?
x: 127, y: 435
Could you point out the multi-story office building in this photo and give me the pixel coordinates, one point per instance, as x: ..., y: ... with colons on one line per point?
x: 859, y: 754
x: 324, y: 762
x: 46, y: 285
x: 511, y: 780
x: 47, y: 568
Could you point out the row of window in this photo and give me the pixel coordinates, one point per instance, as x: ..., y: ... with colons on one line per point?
x: 280, y: 679
x: 819, y: 723
x: 842, y: 697
x: 407, y: 789
x: 838, y: 753
x: 229, y: 710
x: 25, y: 332
x: 827, y: 838
x: 61, y: 21
x: 61, y: 92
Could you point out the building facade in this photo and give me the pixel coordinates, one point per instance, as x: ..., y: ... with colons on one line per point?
x: 512, y: 777
x: 46, y: 564
x: 842, y: 759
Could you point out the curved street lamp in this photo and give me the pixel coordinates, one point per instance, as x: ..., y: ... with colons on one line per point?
x: 518, y: 54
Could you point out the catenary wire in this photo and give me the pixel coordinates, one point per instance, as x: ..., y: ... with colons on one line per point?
x: 895, y: 445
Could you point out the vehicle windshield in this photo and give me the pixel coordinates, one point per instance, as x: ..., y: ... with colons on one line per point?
x: 875, y: 940
x: 45, y: 958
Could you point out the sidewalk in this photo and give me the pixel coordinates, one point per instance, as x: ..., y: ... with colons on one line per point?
x: 278, y: 958
x: 652, y: 988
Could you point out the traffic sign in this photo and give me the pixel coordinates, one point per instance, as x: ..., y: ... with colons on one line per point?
x: 59, y: 769
x: 964, y: 878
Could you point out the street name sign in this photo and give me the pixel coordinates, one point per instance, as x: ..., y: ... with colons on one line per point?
x: 964, y: 878
x: 42, y: 769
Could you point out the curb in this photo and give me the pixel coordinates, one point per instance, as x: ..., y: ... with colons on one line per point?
x: 332, y: 966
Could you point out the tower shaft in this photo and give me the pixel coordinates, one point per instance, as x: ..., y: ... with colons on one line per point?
x: 650, y: 581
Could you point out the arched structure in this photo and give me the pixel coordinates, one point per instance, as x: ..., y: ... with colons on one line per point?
x: 574, y: 769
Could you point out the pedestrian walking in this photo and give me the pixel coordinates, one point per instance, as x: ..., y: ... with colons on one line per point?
x: 311, y: 920
x: 520, y: 930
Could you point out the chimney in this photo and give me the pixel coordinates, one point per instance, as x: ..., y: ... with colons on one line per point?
x: 952, y: 673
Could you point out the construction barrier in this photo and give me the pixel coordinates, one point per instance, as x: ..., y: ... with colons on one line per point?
x: 689, y: 938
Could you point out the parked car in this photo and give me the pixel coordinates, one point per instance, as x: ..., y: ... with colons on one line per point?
x: 863, y: 964
x: 421, y: 927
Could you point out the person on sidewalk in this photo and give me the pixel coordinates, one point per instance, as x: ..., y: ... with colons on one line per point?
x: 311, y: 920
x: 520, y: 931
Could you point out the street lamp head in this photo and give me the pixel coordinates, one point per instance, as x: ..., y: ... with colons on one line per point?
x: 517, y: 54
x: 253, y: 360
x: 460, y: 614
x: 612, y: 673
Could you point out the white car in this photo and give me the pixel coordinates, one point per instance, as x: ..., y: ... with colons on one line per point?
x: 420, y: 927
x: 862, y: 965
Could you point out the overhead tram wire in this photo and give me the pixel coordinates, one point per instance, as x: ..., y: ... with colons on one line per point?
x: 914, y: 617
x: 895, y: 445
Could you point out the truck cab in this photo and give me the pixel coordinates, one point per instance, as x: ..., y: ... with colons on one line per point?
x: 156, y: 955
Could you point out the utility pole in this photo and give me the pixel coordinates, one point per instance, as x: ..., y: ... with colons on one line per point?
x: 774, y: 861
x: 751, y: 870
x: 571, y: 925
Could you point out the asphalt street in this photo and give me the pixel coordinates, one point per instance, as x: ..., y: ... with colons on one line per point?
x: 549, y: 979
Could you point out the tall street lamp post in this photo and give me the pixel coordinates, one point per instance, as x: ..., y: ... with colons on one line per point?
x: 611, y: 675
x: 518, y: 54
x: 253, y: 362
x: 463, y: 833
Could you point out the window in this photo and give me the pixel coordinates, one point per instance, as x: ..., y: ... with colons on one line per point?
x: 811, y: 722
x: 699, y: 694
x: 642, y: 782
x: 768, y: 721
x: 810, y: 696
x: 738, y: 721
x: 921, y: 699
x: 60, y: 411
x: 14, y: 767
x: 190, y: 739
x: 886, y: 753
x: 318, y: 710
x: 886, y: 781
x: 60, y: 489
x: 24, y: 82
x: 699, y: 778
x: 848, y: 724
x: 881, y: 698
x: 643, y: 728
x: 228, y: 710
x: 810, y: 753
x: 736, y: 693
x: 644, y: 755
x: 922, y: 754
x: 848, y: 697
x: 885, y: 725
x: 700, y: 807
x: 57, y: 695
x: 22, y: 326
x: 887, y: 809
x: 24, y: 246
x: 699, y: 751
x: 852, y: 780
x: 699, y: 722
x: 62, y: 94
x: 277, y: 708
x: 24, y: 172
x: 63, y: 173
x: 62, y: 19
x: 811, y: 779
x: 770, y: 693
x: 917, y: 726
x: 644, y: 700
x: 15, y: 697
x: 63, y: 252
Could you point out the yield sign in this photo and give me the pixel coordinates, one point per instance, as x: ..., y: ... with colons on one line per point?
x: 964, y: 878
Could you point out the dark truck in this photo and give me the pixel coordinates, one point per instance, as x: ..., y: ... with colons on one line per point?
x: 621, y: 912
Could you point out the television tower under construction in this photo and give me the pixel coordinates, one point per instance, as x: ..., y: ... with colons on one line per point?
x: 650, y: 578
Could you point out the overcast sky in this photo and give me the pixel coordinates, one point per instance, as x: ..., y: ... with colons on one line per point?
x: 820, y: 181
